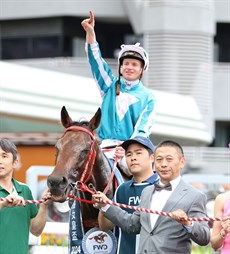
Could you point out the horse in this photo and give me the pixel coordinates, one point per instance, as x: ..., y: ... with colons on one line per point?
x: 100, y: 238
x: 80, y: 161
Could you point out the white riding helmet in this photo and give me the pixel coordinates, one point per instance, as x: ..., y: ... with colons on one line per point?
x: 134, y: 51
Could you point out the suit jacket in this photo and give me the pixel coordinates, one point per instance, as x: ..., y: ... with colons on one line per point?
x: 167, y: 236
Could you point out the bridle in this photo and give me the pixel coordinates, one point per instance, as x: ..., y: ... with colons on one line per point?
x: 88, y: 171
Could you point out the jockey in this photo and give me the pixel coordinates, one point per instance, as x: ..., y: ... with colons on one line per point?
x: 127, y: 106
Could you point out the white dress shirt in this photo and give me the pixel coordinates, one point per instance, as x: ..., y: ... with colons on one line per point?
x: 159, y: 198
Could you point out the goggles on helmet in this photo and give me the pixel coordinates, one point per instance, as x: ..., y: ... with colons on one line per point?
x: 133, y: 51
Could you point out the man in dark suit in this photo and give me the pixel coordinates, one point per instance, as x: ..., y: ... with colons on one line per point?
x: 162, y: 234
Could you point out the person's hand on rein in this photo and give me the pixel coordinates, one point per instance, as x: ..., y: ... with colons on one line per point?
x: 120, y: 151
x: 120, y: 154
x: 98, y: 198
x: 46, y: 196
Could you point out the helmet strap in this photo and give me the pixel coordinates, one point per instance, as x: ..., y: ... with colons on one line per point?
x: 118, y: 85
x: 141, y: 73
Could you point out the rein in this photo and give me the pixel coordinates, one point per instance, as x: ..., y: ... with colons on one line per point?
x: 81, y: 185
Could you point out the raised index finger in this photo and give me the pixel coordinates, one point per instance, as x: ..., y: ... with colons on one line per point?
x: 91, y: 17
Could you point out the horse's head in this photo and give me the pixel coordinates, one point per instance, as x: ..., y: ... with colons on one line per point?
x: 74, y: 154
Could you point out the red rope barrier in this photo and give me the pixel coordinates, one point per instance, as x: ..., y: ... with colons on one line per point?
x: 140, y: 209
x: 26, y: 201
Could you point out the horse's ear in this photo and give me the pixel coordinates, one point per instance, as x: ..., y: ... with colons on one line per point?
x: 95, y: 120
x: 65, y: 118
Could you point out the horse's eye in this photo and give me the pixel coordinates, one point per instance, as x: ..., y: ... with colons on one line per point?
x: 74, y: 173
x: 84, y: 153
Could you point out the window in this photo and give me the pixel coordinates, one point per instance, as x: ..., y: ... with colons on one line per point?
x: 222, y: 135
x: 14, y: 48
x: 222, y: 40
x: 37, y: 47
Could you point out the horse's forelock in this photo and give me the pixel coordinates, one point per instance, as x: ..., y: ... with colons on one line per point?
x: 80, y: 123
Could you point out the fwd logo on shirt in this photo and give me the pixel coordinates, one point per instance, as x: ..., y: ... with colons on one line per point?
x: 134, y: 200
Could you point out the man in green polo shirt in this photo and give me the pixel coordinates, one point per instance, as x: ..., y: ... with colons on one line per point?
x: 16, y: 217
